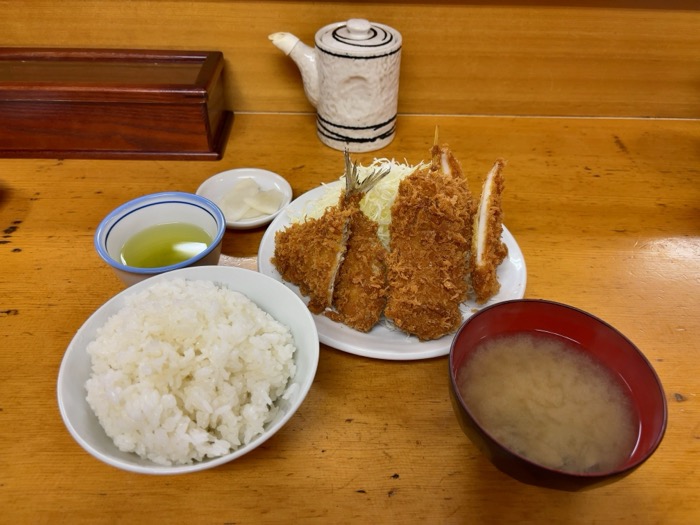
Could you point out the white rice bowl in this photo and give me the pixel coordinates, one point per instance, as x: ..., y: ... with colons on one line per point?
x: 187, y: 370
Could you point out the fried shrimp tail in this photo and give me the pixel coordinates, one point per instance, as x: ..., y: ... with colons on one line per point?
x: 488, y: 250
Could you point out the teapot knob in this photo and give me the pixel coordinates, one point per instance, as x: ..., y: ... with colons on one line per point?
x: 358, y: 28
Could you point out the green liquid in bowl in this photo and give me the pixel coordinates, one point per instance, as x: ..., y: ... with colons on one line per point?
x: 164, y: 244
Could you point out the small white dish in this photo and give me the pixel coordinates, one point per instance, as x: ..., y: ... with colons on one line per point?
x: 384, y: 341
x: 217, y: 187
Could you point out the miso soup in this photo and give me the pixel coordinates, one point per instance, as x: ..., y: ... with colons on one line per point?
x: 164, y: 244
x: 547, y: 401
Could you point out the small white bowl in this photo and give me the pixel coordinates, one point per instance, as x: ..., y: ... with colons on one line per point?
x: 150, y: 210
x: 217, y: 187
x: 269, y: 294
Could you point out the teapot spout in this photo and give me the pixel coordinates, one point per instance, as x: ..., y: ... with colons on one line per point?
x: 305, y: 59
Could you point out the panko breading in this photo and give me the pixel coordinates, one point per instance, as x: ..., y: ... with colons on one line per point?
x: 309, y: 254
x: 360, y: 289
x: 488, y: 250
x: 440, y: 248
x: 429, y: 248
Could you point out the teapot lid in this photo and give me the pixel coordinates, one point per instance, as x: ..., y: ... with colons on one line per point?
x: 358, y: 38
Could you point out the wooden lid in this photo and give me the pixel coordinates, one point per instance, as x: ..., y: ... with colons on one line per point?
x: 108, y: 75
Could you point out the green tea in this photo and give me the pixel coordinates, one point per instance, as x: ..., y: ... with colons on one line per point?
x: 164, y: 244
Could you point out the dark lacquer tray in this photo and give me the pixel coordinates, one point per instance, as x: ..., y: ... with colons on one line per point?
x: 120, y: 104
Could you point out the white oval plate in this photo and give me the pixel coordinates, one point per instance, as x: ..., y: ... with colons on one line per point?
x: 216, y: 187
x: 383, y: 341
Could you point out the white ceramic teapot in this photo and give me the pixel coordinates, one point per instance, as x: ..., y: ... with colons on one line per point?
x: 352, y: 78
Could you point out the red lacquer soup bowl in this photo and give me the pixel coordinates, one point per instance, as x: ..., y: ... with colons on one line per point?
x: 582, y: 332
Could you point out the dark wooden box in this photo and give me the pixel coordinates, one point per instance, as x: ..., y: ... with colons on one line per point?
x: 119, y: 104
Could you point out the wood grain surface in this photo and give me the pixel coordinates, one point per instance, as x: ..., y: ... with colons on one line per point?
x: 613, y: 58
x: 607, y: 214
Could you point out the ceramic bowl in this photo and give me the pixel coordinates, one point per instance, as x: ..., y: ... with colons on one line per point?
x: 585, y: 333
x: 216, y: 188
x: 270, y: 295
x: 150, y: 210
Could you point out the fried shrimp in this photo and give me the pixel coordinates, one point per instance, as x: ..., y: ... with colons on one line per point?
x: 427, y: 270
x: 488, y: 250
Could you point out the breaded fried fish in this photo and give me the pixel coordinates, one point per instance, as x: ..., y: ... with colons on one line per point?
x: 427, y: 270
x: 488, y: 250
x: 311, y: 254
x: 360, y: 290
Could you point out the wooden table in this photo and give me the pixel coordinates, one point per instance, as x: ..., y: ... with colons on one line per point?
x: 607, y: 213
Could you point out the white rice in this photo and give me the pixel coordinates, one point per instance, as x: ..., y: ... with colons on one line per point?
x: 188, y: 370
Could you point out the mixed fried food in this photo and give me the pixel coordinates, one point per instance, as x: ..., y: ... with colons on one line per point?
x: 360, y: 291
x: 429, y: 248
x: 309, y: 255
x: 488, y: 250
x: 442, y: 248
x: 312, y: 254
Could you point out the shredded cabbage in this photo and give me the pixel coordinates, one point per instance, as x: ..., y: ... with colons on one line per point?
x: 376, y: 203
